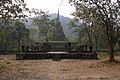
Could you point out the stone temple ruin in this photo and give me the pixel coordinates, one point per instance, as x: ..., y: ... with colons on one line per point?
x: 56, y: 50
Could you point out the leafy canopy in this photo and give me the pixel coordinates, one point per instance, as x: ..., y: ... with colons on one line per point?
x: 12, y: 9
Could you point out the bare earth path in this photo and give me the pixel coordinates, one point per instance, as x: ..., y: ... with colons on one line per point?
x: 11, y: 69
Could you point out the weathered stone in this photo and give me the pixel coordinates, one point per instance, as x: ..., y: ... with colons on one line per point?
x: 56, y: 56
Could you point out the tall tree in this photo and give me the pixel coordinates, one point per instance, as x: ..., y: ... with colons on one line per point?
x: 82, y: 30
x: 10, y: 10
x: 107, y: 11
x: 21, y: 33
x: 42, y: 22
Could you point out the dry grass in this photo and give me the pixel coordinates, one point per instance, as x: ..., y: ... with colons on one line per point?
x: 11, y: 69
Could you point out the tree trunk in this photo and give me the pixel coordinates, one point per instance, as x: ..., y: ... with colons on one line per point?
x: 110, y: 47
x: 110, y: 38
x: 19, y: 43
x: 111, y: 51
x: 89, y: 37
x: 96, y: 43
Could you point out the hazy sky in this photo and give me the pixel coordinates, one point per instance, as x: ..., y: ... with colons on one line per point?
x: 52, y: 6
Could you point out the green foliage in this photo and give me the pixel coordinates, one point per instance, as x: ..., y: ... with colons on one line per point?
x: 82, y: 30
x: 10, y: 9
x: 73, y: 23
x: 100, y: 14
x: 42, y: 22
x: 48, y: 29
x: 1, y: 33
x: 13, y: 35
x: 103, y: 55
x: 21, y: 34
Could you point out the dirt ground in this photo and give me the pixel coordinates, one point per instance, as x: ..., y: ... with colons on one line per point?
x: 11, y: 69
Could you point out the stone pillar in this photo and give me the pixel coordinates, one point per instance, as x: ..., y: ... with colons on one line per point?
x: 27, y: 48
x: 69, y: 46
x: 82, y: 48
x: 37, y: 48
x: 85, y: 47
x: 90, y: 48
x: 23, y: 48
x: 32, y: 49
x: 79, y: 48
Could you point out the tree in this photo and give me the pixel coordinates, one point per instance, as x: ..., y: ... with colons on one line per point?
x: 106, y: 12
x: 12, y: 36
x: 42, y: 22
x: 21, y: 33
x: 12, y: 9
x: 9, y: 10
x: 82, y: 30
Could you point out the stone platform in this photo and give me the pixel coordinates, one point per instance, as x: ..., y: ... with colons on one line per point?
x: 55, y: 56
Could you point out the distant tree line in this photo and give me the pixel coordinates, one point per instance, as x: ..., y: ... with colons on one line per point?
x: 12, y: 36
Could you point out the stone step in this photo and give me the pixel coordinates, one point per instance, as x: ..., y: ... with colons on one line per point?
x: 33, y: 56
